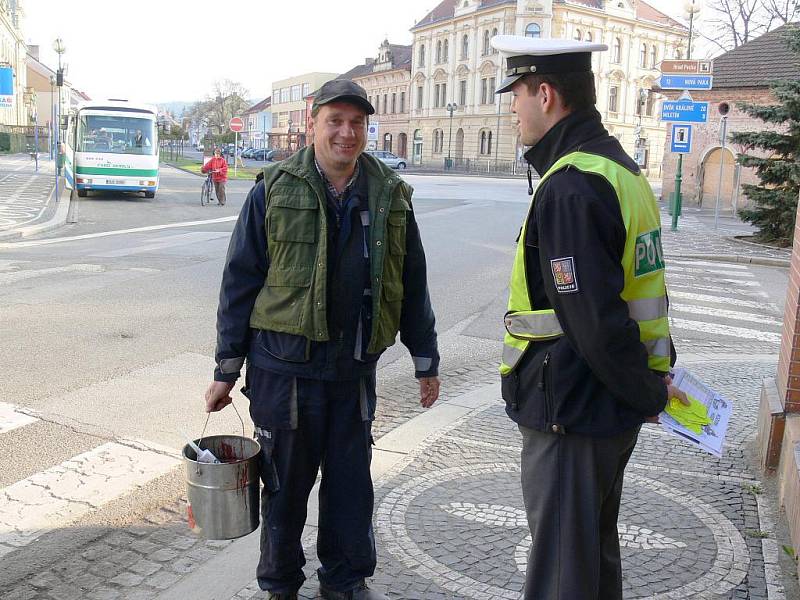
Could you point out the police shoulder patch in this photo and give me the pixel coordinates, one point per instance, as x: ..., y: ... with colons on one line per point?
x: 564, y: 275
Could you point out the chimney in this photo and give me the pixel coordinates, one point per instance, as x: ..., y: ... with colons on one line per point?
x: 33, y: 50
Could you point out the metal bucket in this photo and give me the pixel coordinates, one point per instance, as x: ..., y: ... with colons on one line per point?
x: 224, y: 497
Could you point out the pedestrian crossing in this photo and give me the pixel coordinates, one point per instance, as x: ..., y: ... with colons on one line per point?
x: 56, y: 496
x: 721, y: 305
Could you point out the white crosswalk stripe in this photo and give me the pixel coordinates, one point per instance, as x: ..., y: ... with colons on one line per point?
x: 55, y: 497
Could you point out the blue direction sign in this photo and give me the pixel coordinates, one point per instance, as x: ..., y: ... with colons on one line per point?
x: 682, y: 111
x: 681, y: 139
x: 685, y: 82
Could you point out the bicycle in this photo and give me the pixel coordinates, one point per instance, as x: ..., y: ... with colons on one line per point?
x: 205, y: 191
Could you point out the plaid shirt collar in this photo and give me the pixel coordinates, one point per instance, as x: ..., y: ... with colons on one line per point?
x: 339, y: 197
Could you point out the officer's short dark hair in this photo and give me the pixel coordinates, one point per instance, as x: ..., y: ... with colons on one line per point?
x: 576, y: 89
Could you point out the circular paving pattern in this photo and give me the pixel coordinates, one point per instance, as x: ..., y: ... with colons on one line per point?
x: 446, y: 523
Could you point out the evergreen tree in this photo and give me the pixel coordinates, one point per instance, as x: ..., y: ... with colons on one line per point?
x: 775, y: 200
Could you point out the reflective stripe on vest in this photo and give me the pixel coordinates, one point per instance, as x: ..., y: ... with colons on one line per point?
x: 534, y: 325
x: 644, y: 288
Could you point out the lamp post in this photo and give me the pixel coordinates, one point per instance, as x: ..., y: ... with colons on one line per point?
x: 642, y: 101
x: 451, y: 108
x: 60, y: 48
x: 289, y: 135
x: 692, y: 7
x: 52, y: 117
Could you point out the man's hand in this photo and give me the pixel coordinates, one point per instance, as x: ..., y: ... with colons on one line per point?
x: 428, y: 391
x: 672, y: 392
x: 218, y: 395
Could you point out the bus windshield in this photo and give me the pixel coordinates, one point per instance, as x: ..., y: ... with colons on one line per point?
x: 115, y: 134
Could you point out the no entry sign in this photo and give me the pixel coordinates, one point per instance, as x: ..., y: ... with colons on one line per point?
x: 236, y: 124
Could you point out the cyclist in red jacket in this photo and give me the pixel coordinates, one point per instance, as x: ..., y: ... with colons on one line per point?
x: 219, y: 174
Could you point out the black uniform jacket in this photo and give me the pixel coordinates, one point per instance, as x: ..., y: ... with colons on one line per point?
x: 594, y: 380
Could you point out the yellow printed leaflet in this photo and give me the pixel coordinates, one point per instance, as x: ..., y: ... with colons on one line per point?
x: 693, y: 417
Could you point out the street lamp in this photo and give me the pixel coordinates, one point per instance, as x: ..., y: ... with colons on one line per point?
x: 691, y: 7
x: 451, y: 108
x: 60, y: 48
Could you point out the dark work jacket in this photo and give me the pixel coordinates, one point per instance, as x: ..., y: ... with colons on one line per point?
x: 246, y: 267
x: 594, y: 380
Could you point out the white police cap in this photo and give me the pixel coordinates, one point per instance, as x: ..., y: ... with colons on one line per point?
x: 526, y: 55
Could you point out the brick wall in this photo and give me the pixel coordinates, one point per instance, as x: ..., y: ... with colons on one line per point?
x: 789, y: 361
x: 706, y: 138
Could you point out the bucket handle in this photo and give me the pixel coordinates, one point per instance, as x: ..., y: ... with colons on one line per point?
x: 200, y: 441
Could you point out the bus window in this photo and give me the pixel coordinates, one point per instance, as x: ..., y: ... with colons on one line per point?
x: 116, y: 135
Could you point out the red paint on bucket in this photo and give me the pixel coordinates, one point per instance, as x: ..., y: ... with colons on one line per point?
x: 190, y: 515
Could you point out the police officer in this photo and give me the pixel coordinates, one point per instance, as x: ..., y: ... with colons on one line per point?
x: 325, y: 266
x: 587, y: 347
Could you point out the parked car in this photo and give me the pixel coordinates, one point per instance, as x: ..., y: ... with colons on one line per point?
x: 248, y: 152
x: 389, y: 159
x: 263, y: 154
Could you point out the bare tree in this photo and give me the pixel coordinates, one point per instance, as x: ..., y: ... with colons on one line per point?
x: 735, y: 22
x: 228, y: 99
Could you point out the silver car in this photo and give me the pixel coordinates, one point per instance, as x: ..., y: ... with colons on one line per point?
x: 392, y: 160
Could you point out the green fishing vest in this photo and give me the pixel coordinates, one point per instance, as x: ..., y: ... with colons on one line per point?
x: 293, y: 298
x: 644, y: 287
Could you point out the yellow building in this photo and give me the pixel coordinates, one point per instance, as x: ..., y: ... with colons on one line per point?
x: 289, y: 108
x: 13, y: 109
x: 454, y: 67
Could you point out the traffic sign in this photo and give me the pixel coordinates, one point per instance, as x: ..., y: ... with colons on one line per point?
x: 685, y: 82
x: 684, y: 112
x: 686, y: 67
x: 372, y: 131
x: 681, y: 139
x: 236, y: 124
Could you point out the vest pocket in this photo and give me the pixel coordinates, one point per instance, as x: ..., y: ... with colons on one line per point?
x: 396, y: 232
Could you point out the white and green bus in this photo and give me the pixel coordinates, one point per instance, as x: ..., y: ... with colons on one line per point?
x: 112, y: 145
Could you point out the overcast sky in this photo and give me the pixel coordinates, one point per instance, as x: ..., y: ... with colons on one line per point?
x: 167, y: 50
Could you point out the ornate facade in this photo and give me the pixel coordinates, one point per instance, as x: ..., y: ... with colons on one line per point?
x: 454, y: 73
x: 12, y: 54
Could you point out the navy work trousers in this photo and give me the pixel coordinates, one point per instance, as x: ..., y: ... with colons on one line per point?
x: 572, y: 487
x: 330, y: 430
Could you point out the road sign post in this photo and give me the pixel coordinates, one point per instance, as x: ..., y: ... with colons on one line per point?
x: 235, y: 125
x: 723, y: 109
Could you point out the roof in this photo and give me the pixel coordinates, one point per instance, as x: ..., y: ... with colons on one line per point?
x: 259, y: 106
x: 401, y: 59
x: 644, y: 11
x: 447, y: 9
x: 745, y: 66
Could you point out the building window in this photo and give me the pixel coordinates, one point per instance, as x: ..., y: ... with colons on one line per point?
x: 297, y: 90
x: 387, y: 142
x: 443, y: 99
x: 643, y: 56
x: 402, y: 102
x: 285, y: 95
x: 576, y: 35
x: 491, y: 87
x: 588, y: 36
x: 436, y: 96
x: 464, y: 47
x: 485, y: 147
x: 394, y: 103
x: 421, y: 57
x: 617, y: 51
x: 446, y: 51
x: 438, y: 52
x: 275, y: 120
x: 653, y: 56
x: 419, y: 97
x: 385, y: 103
x: 306, y: 89
x: 613, y: 99
x: 438, y: 141
x: 486, y: 42
x: 494, y: 33
x: 377, y: 104
x: 462, y: 92
x: 533, y: 30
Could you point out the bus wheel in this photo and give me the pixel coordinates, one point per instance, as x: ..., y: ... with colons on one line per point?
x: 82, y: 193
x: 149, y: 194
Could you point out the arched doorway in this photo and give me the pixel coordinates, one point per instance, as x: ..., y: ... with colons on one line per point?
x: 459, y: 154
x: 711, y: 178
x: 416, y: 157
x: 387, y: 142
x: 402, y: 150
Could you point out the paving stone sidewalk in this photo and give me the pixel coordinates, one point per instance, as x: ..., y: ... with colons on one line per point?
x: 24, y: 193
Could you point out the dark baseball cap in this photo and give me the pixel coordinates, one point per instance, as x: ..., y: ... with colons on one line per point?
x: 343, y: 90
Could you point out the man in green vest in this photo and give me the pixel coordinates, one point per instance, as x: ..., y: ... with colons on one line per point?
x: 587, y: 349
x: 325, y: 266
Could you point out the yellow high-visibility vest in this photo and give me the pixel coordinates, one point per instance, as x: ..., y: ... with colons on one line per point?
x: 644, y: 288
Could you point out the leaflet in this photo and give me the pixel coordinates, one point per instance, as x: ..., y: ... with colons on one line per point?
x: 712, y: 436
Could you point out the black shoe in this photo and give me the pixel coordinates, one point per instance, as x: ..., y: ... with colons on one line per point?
x: 360, y: 592
x: 281, y: 595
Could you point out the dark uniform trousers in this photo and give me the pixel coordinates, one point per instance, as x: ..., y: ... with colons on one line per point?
x: 332, y: 431
x: 575, y: 553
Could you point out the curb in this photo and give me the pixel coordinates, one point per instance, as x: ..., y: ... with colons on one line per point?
x: 234, y: 568
x: 738, y: 258
x: 57, y: 220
